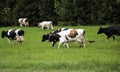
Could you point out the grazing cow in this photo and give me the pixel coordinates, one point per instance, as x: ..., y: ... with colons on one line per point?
x: 46, y: 36
x: 69, y: 35
x: 23, y: 21
x: 46, y: 24
x: 13, y: 35
x: 110, y: 31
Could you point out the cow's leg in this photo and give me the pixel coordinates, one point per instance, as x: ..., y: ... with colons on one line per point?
x: 51, y: 27
x: 81, y: 44
x: 59, y: 45
x: 10, y: 41
x: 47, y: 27
x: 42, y: 27
x: 25, y: 25
x: 84, y: 42
x: 108, y: 37
x: 67, y: 45
x: 28, y: 25
x: 53, y: 43
x: 113, y: 37
x: 21, y: 25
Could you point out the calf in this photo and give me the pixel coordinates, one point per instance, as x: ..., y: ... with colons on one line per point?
x: 23, y: 21
x: 13, y: 35
x: 46, y: 36
x: 110, y: 31
x: 69, y: 35
x: 46, y: 24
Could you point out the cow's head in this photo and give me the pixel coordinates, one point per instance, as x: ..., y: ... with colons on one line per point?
x: 3, y: 34
x: 26, y: 19
x: 20, y: 39
x: 45, y: 37
x: 39, y: 24
x: 21, y: 33
x: 100, y: 30
x: 54, y: 37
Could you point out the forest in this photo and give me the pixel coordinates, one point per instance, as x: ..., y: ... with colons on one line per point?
x: 61, y: 12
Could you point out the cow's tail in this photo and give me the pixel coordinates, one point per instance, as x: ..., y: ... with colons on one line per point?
x: 86, y: 38
x: 85, y: 35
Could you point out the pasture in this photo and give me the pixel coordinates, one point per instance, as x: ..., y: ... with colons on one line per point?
x: 36, y: 56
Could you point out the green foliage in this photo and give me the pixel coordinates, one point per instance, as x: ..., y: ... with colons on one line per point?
x: 74, y: 12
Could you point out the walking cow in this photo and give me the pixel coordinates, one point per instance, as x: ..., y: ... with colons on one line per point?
x: 46, y: 24
x: 69, y: 35
x: 110, y: 31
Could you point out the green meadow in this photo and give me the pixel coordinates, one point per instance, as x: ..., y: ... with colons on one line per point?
x: 36, y: 56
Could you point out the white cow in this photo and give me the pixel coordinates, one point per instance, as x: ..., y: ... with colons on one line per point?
x: 69, y: 35
x: 46, y: 24
x: 23, y: 21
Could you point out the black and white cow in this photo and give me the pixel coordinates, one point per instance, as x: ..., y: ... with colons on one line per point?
x: 69, y: 35
x: 23, y: 21
x: 13, y: 35
x: 46, y: 36
x: 110, y: 31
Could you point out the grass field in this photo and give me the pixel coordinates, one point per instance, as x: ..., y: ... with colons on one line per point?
x: 36, y: 56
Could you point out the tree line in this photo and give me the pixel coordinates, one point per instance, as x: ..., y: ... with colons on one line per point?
x: 61, y: 12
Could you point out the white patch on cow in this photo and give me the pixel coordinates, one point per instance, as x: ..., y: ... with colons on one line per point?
x: 16, y: 31
x: 9, y: 31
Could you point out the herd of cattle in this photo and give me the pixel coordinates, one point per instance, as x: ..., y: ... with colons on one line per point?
x: 62, y: 35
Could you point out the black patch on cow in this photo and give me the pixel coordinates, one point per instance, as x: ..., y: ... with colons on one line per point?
x: 54, y: 37
x: 12, y: 35
x: 66, y: 37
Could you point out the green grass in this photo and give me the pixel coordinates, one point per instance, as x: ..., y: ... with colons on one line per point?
x: 36, y: 56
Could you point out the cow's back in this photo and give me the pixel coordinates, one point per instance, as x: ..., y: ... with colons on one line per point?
x: 115, y: 30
